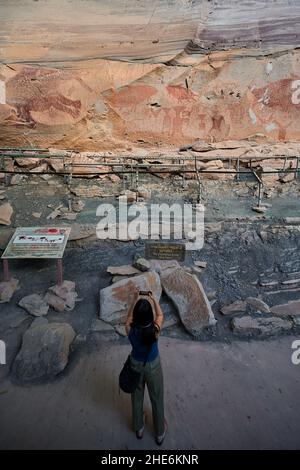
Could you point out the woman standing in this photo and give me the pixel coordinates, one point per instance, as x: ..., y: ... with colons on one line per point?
x: 143, y: 325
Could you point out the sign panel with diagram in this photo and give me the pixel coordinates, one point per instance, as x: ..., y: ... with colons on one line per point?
x: 37, y: 242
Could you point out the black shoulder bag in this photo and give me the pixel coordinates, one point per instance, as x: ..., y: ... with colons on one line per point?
x: 129, y: 378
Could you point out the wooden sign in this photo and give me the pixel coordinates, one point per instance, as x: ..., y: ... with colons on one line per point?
x: 165, y: 250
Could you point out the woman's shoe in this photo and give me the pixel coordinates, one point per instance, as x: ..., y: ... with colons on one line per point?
x: 160, y: 439
x: 139, y: 434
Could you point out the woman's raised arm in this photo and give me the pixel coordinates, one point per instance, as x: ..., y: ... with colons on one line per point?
x: 130, y: 312
x: 159, y: 316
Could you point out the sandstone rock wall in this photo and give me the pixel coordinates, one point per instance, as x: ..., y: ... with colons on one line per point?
x: 95, y: 75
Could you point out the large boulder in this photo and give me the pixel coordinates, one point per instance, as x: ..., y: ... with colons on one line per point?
x: 117, y: 298
x: 44, y: 352
x: 188, y: 295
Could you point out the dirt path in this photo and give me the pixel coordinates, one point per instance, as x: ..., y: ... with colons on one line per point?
x: 239, y: 396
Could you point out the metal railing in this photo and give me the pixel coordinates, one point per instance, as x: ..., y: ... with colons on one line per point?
x: 137, y: 165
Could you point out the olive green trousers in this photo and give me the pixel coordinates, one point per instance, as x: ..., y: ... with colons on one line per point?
x: 152, y: 376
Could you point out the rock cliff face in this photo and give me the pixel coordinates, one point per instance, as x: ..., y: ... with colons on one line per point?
x: 93, y: 75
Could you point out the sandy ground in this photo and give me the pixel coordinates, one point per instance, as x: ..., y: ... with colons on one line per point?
x: 243, y: 395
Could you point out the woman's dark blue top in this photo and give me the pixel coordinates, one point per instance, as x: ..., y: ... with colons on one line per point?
x: 139, y: 351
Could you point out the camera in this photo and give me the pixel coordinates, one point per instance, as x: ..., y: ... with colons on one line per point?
x: 145, y: 292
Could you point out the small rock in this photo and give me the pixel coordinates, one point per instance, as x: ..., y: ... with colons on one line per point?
x: 201, y: 146
x: 66, y: 293
x: 129, y: 196
x: 144, y: 193
x: 55, y: 302
x: 46, y: 177
x: 69, y: 216
x: 17, y: 179
x: 270, y: 284
x: 53, y: 214
x: 259, y: 209
x: 63, y: 289
x: 236, y: 307
x: 200, y: 264
x: 290, y: 176
x: 126, y: 270
x: 113, y: 178
x: 52, y: 182
x: 290, y: 282
x: 36, y: 215
x: 290, y: 308
x: 27, y: 162
x: 34, y: 304
x: 40, y: 169
x: 296, y: 321
x: 7, y: 289
x: 78, y: 231
x: 258, y: 304
x: 292, y: 220
x: 120, y: 329
x: 6, y: 212
x: 141, y: 264
x: 77, y: 206
x: 247, y: 326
